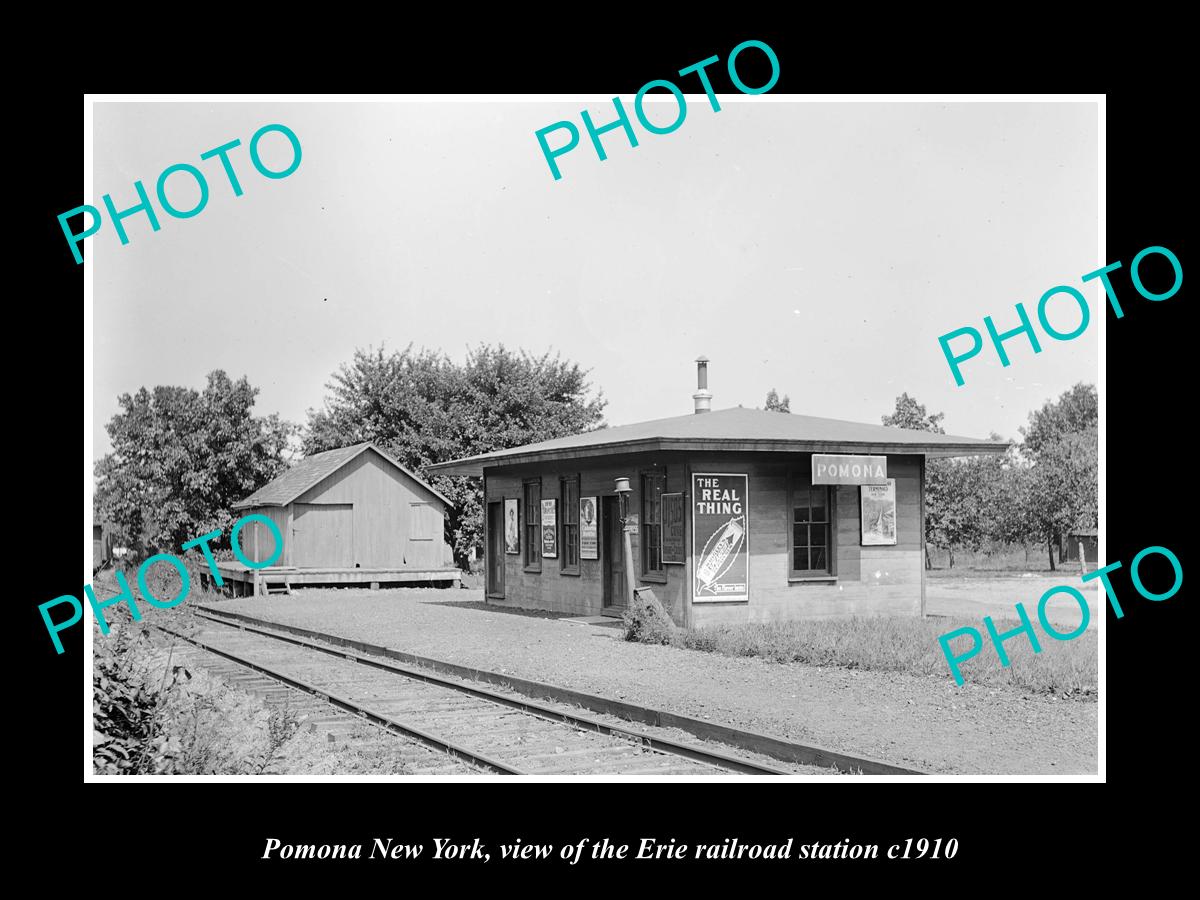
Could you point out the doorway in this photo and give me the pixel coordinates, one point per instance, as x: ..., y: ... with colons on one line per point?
x: 495, y: 550
x: 612, y: 557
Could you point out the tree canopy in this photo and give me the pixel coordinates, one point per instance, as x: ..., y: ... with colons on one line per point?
x: 422, y: 407
x: 1039, y: 491
x: 777, y: 405
x: 911, y: 414
x: 1076, y: 410
x: 181, y: 458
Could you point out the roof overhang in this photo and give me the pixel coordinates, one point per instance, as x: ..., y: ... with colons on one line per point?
x: 475, y: 465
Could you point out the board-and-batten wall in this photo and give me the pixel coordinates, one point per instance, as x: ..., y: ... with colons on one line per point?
x: 870, y: 580
x: 387, y: 531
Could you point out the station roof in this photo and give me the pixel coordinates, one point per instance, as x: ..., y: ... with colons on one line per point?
x: 746, y: 430
x: 310, y: 471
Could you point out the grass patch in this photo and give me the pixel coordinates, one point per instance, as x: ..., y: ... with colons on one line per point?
x: 909, y: 645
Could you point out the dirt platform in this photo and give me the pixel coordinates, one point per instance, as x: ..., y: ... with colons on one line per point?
x: 924, y: 722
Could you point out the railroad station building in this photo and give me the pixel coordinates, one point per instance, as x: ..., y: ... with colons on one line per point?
x: 732, y: 515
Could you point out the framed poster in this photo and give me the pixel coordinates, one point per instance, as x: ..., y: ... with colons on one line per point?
x: 589, y: 515
x: 550, y: 528
x: 720, y: 538
x: 673, y: 549
x: 512, y: 527
x: 878, y: 513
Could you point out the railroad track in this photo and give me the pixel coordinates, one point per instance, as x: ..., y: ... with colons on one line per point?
x: 341, y: 728
x: 765, y: 747
x: 475, y: 726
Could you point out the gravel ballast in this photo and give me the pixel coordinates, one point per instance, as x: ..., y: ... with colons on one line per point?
x: 925, y: 722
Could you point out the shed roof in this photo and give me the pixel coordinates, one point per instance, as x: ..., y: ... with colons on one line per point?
x: 311, y: 470
x: 731, y: 429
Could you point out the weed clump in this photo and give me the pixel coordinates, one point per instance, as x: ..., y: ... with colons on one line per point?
x: 646, y: 621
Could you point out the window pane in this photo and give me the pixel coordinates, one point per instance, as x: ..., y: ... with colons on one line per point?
x: 800, y: 514
x: 817, y: 535
x: 818, y: 559
x: 800, y: 559
x: 820, y: 505
x: 800, y: 535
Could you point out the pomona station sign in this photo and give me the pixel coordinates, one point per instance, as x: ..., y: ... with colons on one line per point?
x: 836, y: 468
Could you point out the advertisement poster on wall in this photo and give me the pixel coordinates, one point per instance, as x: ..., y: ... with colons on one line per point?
x: 879, y: 514
x: 549, y: 528
x: 673, y: 547
x: 720, y: 538
x: 589, y: 542
x: 512, y: 528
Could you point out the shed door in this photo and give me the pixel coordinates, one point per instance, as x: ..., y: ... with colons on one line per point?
x: 425, y: 535
x: 323, y: 536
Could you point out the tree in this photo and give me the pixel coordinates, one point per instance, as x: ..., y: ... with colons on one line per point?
x: 776, y: 405
x: 1061, y: 488
x: 952, y: 506
x: 942, y: 520
x: 912, y: 415
x: 1076, y: 410
x: 423, y: 408
x: 181, y: 458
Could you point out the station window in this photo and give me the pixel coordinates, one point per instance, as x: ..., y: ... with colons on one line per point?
x: 653, y: 485
x: 570, y: 525
x: 812, y: 550
x: 533, y: 526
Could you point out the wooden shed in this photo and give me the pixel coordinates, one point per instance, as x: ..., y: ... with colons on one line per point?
x: 348, y: 516
x: 1069, y: 545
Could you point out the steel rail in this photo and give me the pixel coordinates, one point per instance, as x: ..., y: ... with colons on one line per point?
x: 766, y: 744
x: 378, y: 718
x: 662, y: 745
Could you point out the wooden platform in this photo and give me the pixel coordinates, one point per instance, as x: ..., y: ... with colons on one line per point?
x: 241, y: 580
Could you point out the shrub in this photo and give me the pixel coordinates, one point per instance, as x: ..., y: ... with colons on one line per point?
x: 646, y: 621
x: 154, y: 716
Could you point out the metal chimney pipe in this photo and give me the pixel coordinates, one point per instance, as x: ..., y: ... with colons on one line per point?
x: 702, y: 397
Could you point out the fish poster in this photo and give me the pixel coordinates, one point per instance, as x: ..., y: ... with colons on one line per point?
x: 720, y: 538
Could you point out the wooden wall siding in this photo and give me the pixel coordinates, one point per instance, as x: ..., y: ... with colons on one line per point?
x: 323, y: 534
x: 256, y: 540
x: 870, y: 580
x: 583, y: 594
x: 382, y: 516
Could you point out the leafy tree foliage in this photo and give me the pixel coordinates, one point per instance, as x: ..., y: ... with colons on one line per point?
x: 946, y: 523
x: 1039, y: 491
x: 912, y: 415
x: 1075, y: 411
x: 422, y: 407
x: 181, y: 458
x: 775, y: 404
x: 1062, y: 488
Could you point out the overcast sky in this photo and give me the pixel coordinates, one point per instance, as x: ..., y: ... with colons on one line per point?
x: 816, y: 248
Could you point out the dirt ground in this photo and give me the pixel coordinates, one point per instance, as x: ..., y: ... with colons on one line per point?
x: 995, y: 594
x: 926, y: 722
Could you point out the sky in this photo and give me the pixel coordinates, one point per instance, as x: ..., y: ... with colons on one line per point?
x: 816, y: 248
